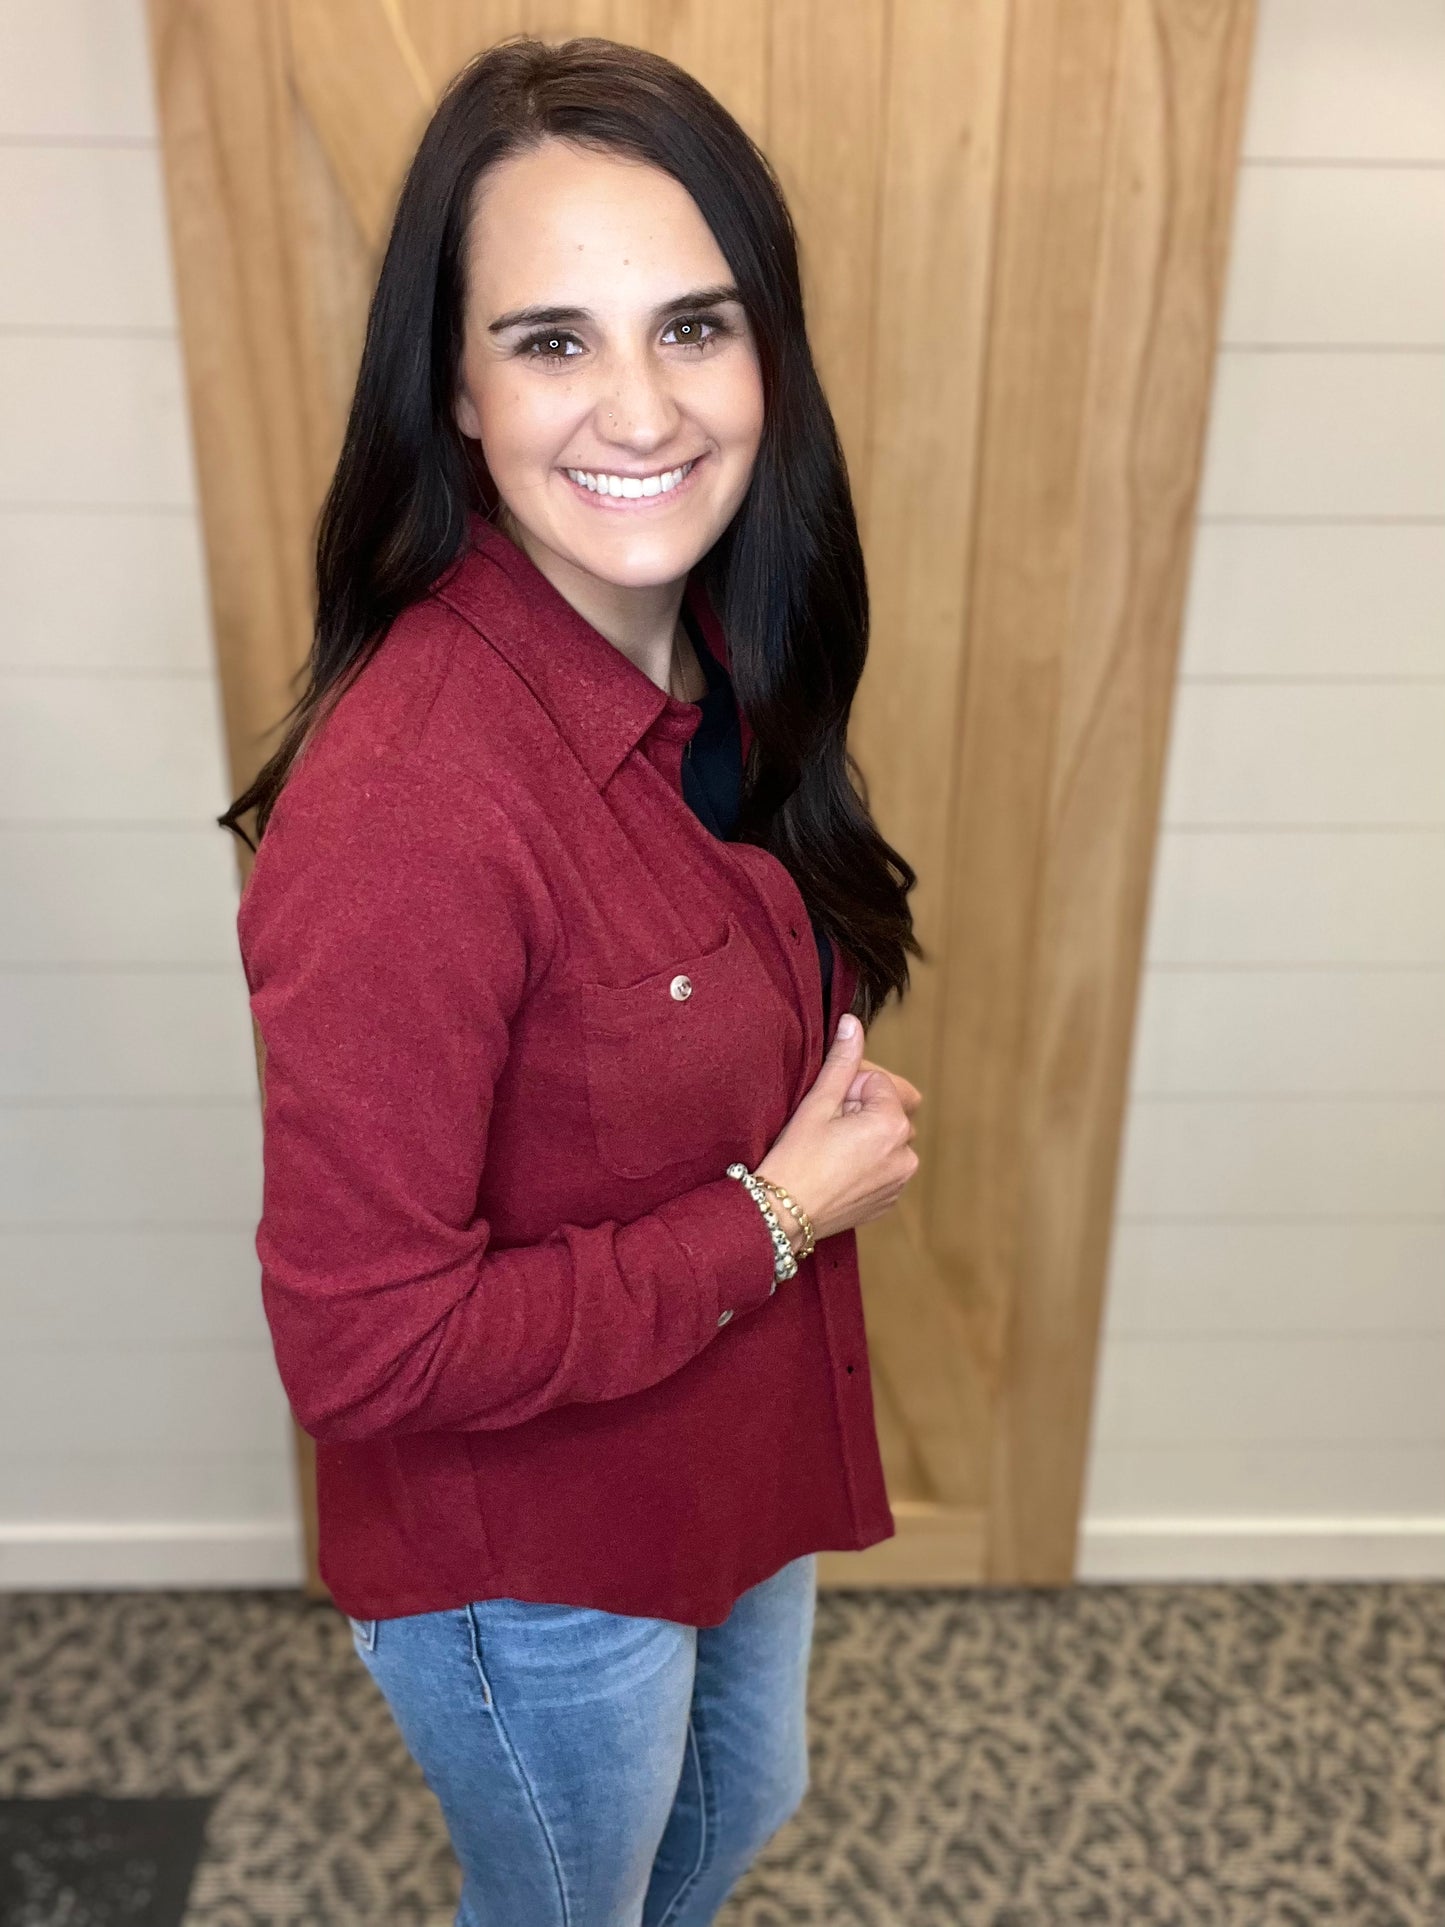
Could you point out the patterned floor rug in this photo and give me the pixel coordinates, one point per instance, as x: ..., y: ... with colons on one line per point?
x: 1098, y: 1756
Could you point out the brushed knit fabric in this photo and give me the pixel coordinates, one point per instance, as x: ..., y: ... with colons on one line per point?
x: 496, y: 1235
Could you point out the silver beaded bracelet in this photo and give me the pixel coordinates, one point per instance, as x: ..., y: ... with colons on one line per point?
x: 785, y: 1263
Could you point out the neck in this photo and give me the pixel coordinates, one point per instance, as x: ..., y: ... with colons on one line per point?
x: 644, y: 623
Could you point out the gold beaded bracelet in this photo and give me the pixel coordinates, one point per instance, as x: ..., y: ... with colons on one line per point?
x: 809, y: 1241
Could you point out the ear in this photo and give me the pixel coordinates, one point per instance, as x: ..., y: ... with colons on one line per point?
x: 466, y: 416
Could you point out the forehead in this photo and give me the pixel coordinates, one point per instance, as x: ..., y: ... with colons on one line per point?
x: 562, y: 224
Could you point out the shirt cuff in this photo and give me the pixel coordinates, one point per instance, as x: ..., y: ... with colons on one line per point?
x: 728, y: 1245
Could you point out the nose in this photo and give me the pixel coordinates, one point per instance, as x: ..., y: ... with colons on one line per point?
x: 636, y: 409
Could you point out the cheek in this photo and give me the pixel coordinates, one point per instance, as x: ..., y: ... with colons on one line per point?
x: 522, y: 423
x: 735, y: 405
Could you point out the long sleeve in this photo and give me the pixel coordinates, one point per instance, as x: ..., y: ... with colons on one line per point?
x: 388, y: 943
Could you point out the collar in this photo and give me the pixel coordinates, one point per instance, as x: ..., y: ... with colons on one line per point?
x: 600, y: 701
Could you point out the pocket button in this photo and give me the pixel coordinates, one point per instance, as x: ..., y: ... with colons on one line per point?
x: 681, y: 988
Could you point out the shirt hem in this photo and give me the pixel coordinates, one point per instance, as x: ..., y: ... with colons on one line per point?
x: 602, y: 1596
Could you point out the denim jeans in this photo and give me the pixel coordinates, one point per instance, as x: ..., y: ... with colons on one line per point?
x: 600, y: 1770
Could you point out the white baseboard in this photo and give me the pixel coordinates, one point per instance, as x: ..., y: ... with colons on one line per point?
x: 78, y: 1556
x: 1241, y: 1549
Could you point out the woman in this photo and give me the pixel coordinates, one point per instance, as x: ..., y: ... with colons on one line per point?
x: 561, y: 891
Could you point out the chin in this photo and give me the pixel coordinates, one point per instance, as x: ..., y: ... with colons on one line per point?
x: 636, y: 561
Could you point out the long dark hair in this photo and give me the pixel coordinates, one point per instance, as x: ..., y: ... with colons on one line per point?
x: 786, y: 577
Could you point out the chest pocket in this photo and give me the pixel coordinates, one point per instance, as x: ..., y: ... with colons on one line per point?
x: 689, y: 1064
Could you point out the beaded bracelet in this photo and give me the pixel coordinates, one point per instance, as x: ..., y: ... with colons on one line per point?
x: 805, y: 1223
x: 784, y: 1264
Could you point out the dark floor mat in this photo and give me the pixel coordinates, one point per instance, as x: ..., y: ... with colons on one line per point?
x: 84, y: 1861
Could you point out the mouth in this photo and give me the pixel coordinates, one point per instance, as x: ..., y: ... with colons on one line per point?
x: 631, y: 493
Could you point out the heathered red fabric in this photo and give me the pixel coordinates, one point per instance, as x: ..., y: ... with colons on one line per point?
x: 497, y: 1236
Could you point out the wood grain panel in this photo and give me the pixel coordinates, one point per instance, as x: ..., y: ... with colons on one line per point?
x: 934, y: 1546
x: 915, y: 482
x: 915, y: 488
x: 1115, y: 194
x: 447, y: 33
x: 827, y: 124
x: 362, y: 85
x: 222, y: 85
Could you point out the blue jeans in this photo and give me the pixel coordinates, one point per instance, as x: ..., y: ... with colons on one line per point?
x: 600, y: 1770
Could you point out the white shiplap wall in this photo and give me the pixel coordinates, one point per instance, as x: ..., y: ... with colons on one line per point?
x: 144, y: 1437
x: 1272, y: 1390
x: 1274, y: 1349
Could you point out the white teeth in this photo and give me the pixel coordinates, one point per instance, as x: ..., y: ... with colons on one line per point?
x: 629, y: 485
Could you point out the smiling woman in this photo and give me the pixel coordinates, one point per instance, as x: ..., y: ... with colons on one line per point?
x: 567, y: 1130
x: 633, y: 388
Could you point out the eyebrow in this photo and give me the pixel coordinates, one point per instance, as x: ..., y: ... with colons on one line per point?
x: 554, y: 317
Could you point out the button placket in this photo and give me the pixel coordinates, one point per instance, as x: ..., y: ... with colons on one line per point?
x: 781, y: 900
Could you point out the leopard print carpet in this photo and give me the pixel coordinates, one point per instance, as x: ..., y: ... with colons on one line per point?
x: 1151, y: 1756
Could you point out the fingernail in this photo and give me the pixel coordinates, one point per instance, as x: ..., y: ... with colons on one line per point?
x: 847, y: 1025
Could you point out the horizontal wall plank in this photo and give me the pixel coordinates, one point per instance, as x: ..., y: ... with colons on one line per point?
x: 94, y: 420
x: 159, y: 895
x: 1295, y: 1388
x: 87, y: 750
x: 1355, y: 433
x: 1310, y: 600
x: 74, y: 70
x: 131, y: 1164
x: 1227, y: 1478
x: 1211, y: 1279
x: 79, y: 1035
x: 74, y: 1287
x: 1338, y: 80
x: 139, y: 1402
x: 1291, y: 1031
x: 1324, y: 256
x: 83, y: 239
x: 1302, y: 1157
x: 1295, y: 754
x: 115, y: 591
x: 1298, y: 896
x: 174, y: 1485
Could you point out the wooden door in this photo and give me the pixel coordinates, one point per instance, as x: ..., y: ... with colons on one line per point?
x: 1014, y: 218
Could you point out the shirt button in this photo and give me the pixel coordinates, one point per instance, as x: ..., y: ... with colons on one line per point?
x: 725, y: 1317
x: 681, y: 988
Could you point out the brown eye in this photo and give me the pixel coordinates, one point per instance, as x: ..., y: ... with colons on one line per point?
x: 546, y: 346
x: 689, y: 330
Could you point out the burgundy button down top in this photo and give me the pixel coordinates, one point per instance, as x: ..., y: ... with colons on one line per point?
x: 514, y: 1297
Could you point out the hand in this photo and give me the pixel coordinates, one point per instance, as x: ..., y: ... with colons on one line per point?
x: 846, y: 1152
x: 909, y: 1094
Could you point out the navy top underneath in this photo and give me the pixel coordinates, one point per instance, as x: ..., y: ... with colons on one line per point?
x: 712, y: 771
